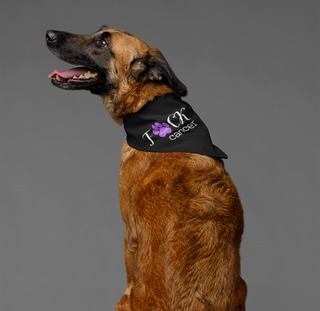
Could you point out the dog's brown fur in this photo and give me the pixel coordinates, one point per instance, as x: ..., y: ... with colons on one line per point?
x: 182, y: 212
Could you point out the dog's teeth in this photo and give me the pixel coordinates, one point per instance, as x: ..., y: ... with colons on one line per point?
x: 90, y: 74
x: 87, y: 75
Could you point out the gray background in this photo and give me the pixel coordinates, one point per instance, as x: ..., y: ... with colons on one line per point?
x: 251, y: 68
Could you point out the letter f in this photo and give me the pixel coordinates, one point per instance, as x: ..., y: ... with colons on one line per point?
x: 148, y: 136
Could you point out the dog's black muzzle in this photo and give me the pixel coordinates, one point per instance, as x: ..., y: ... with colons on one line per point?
x: 74, y: 49
x: 56, y: 39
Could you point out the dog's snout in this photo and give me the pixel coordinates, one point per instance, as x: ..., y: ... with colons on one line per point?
x: 51, y: 37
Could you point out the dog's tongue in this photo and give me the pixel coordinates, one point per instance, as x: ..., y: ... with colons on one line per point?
x: 66, y: 74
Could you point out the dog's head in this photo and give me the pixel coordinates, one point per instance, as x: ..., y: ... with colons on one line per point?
x: 113, y: 63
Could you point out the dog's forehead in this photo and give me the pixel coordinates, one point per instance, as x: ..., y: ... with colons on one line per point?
x: 121, y: 38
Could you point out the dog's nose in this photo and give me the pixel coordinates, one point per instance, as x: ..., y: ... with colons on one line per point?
x: 51, y: 36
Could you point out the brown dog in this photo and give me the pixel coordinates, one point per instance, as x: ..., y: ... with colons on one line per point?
x: 182, y: 212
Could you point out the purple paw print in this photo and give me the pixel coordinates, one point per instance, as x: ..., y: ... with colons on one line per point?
x: 161, y: 129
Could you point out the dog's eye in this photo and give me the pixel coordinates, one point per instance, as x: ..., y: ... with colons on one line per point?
x: 103, y: 43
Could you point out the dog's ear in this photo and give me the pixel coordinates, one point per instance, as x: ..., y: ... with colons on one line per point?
x: 152, y: 66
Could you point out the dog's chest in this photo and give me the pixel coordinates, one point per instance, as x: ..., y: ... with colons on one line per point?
x: 134, y: 168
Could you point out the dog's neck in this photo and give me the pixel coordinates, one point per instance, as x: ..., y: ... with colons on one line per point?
x: 169, y: 124
x: 118, y: 105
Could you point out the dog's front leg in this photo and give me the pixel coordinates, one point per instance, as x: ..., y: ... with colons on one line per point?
x: 130, y: 251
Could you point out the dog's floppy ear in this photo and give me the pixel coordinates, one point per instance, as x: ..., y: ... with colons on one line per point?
x: 152, y: 66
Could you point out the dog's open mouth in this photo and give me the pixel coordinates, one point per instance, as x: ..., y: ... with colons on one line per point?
x: 75, y: 78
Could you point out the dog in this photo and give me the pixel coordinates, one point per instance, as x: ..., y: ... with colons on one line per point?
x: 182, y: 212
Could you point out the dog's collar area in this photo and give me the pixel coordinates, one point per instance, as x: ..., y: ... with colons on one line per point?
x: 168, y: 124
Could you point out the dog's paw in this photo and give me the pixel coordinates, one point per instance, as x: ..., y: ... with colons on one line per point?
x: 161, y: 129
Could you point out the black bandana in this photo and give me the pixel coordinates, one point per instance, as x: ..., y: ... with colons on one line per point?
x: 168, y: 124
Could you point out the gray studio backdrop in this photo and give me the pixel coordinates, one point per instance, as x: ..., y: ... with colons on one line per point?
x: 251, y: 68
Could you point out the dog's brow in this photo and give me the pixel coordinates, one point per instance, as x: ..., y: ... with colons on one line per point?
x: 106, y: 34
